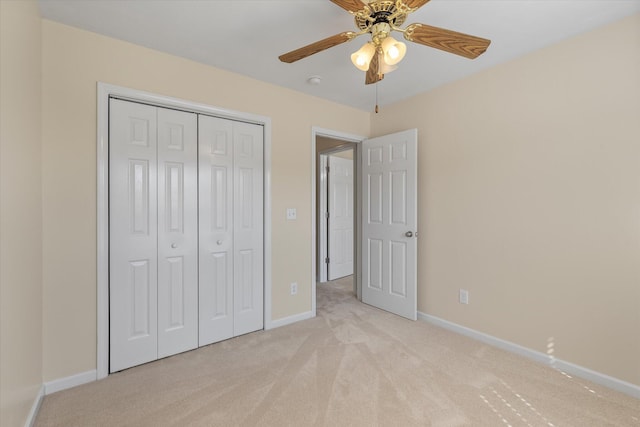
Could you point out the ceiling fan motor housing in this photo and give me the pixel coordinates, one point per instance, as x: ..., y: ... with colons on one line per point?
x: 374, y: 18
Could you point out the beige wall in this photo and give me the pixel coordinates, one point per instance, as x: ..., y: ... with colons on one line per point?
x: 73, y: 62
x: 529, y: 190
x: 20, y: 211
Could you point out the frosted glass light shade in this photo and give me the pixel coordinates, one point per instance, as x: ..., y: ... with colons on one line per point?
x: 393, y: 50
x: 386, y: 68
x: 362, y: 58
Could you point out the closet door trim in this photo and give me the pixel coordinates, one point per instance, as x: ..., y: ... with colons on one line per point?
x: 106, y: 91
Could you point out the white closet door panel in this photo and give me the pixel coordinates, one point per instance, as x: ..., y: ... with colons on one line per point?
x: 133, y: 236
x: 248, y: 228
x: 216, y: 229
x: 177, y: 232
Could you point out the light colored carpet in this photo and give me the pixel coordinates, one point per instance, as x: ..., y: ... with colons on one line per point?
x: 352, y: 365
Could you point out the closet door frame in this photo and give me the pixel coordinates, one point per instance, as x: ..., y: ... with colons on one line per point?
x: 106, y: 91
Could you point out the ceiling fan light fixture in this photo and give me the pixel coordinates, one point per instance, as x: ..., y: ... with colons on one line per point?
x: 362, y: 58
x: 393, y: 50
x: 379, y: 18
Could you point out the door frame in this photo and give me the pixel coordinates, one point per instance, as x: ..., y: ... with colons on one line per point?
x: 346, y: 137
x: 106, y: 91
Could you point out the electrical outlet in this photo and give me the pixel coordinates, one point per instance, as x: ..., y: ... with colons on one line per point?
x: 464, y: 296
x: 294, y: 288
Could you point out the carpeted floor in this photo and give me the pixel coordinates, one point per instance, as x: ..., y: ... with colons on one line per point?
x: 352, y: 365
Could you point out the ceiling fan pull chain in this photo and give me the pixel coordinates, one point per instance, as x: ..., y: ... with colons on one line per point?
x: 376, y: 110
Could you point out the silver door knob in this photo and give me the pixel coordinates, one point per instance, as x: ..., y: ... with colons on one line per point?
x: 219, y: 242
x: 174, y: 245
x: 408, y: 234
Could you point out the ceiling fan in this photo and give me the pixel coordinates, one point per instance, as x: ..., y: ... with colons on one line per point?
x: 380, y: 55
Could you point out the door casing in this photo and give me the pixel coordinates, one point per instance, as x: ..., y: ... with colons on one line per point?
x: 104, y: 93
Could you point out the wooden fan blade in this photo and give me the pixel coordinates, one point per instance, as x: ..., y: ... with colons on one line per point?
x: 373, y: 73
x: 349, y: 5
x: 319, y: 46
x: 415, y: 4
x: 450, y: 41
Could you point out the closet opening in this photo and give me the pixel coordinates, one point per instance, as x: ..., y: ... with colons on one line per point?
x: 166, y: 147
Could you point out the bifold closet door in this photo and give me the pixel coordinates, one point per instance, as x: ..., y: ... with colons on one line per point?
x: 230, y: 228
x: 177, y: 232
x: 153, y: 233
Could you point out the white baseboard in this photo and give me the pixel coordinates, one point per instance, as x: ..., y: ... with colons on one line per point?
x: 69, y: 382
x: 289, y: 320
x: 33, y: 413
x: 570, y: 368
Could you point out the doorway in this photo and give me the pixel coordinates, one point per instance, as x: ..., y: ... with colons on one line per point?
x: 185, y: 231
x: 342, y: 148
x: 385, y: 227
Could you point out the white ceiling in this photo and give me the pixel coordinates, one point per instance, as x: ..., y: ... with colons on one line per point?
x: 247, y: 37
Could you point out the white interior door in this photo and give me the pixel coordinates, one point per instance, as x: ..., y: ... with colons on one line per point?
x: 231, y: 229
x: 153, y: 234
x: 186, y: 263
x: 389, y: 222
x: 340, y: 219
x: 216, y: 229
x: 248, y: 245
x: 133, y: 227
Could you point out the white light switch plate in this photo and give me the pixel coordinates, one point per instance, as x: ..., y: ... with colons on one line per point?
x: 292, y: 213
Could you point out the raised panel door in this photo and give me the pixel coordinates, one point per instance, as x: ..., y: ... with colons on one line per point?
x: 340, y: 217
x: 389, y: 225
x: 177, y: 232
x: 248, y: 228
x: 133, y: 234
x: 216, y: 222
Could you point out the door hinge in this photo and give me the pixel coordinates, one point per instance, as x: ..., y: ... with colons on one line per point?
x: 326, y: 260
x: 327, y: 169
x: 326, y: 214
